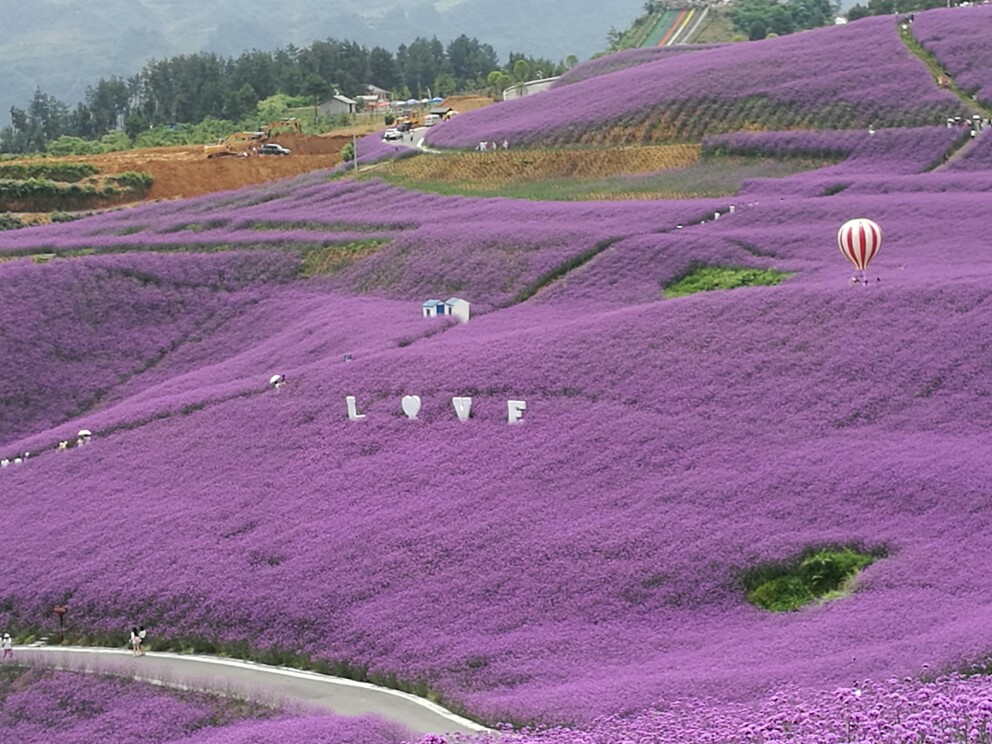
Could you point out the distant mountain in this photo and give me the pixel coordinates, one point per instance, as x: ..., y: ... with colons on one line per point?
x: 62, y: 46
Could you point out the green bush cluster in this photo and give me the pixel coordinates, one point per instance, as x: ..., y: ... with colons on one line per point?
x: 44, y: 194
x: 10, y: 222
x: 708, y: 278
x: 132, y: 180
x: 65, y: 172
x: 818, y: 574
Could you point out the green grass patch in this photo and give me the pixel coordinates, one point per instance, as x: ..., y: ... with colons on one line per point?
x: 330, y: 259
x: 711, y: 178
x: 58, y: 171
x: 709, y: 278
x: 818, y: 574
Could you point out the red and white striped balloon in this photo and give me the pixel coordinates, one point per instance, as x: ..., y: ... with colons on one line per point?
x: 859, y: 240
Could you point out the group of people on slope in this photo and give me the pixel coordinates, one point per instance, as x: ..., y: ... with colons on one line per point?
x: 138, y: 636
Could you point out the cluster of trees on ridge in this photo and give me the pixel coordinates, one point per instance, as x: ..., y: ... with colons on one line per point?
x: 200, y: 97
x: 759, y: 18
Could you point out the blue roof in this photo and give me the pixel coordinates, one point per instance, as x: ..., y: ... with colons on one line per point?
x: 432, y: 303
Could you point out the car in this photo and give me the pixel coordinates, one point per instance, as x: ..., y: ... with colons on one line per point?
x: 392, y: 134
x: 271, y: 148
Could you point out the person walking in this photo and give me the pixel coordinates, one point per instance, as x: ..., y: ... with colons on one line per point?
x: 142, y: 635
x: 135, y: 642
x: 8, y: 647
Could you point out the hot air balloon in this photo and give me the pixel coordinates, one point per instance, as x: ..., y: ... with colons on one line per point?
x: 859, y: 240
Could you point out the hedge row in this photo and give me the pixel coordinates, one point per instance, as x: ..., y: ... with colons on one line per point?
x: 42, y: 194
x: 64, y: 172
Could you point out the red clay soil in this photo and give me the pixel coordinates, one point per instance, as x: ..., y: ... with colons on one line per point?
x: 181, y: 172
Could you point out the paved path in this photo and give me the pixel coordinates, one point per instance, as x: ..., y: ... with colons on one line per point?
x: 344, y: 697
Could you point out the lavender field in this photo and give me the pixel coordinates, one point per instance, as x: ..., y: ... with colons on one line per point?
x: 845, y: 77
x: 581, y: 569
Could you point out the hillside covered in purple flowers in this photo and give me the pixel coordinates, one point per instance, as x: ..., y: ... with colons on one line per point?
x: 583, y: 567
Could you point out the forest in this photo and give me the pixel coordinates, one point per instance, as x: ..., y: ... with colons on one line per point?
x: 193, y: 88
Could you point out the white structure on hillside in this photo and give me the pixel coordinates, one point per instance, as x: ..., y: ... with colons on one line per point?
x: 432, y: 308
x: 457, y: 308
x: 453, y: 306
x: 525, y: 89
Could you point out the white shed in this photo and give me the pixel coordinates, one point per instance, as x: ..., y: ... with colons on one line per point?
x: 432, y: 308
x: 457, y: 308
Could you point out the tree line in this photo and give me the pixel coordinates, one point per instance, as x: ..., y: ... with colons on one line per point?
x: 759, y: 18
x: 192, y: 88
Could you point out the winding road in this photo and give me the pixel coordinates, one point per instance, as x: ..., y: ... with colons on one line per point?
x: 336, y: 695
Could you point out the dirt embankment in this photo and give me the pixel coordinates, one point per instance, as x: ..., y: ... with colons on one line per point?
x: 181, y: 172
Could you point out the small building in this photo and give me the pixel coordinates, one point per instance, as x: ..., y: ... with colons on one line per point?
x: 380, y: 94
x: 338, y: 104
x: 432, y: 308
x: 457, y: 308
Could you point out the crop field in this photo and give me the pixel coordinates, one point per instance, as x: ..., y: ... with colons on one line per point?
x: 715, y: 418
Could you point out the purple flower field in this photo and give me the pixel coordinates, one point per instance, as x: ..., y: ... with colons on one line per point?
x: 581, y: 568
x: 625, y: 59
x: 39, y: 707
x: 959, y: 39
x: 844, y: 77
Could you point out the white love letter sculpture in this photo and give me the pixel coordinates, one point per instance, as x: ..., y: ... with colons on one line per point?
x: 515, y: 410
x: 411, y: 405
x: 353, y: 413
x: 463, y: 408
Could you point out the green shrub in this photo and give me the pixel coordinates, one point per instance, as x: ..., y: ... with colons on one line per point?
x: 817, y: 574
x: 10, y: 222
x: 708, y: 278
x: 132, y: 180
x: 347, y: 153
x: 65, y: 172
x: 66, y: 145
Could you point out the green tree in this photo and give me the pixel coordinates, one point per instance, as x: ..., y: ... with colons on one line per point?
x: 273, y: 108
x: 521, y: 71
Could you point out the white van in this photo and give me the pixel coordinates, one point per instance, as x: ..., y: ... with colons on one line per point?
x: 431, y: 119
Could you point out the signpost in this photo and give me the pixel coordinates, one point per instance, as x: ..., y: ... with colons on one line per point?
x: 60, y: 610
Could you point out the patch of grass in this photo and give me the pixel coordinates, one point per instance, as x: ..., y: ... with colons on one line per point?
x: 709, y: 278
x: 818, y: 574
x: 330, y: 259
x: 708, y: 178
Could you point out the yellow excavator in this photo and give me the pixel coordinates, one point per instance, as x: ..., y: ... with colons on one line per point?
x: 240, y: 144
x: 274, y: 127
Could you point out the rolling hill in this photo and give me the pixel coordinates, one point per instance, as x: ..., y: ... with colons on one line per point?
x: 585, y: 566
